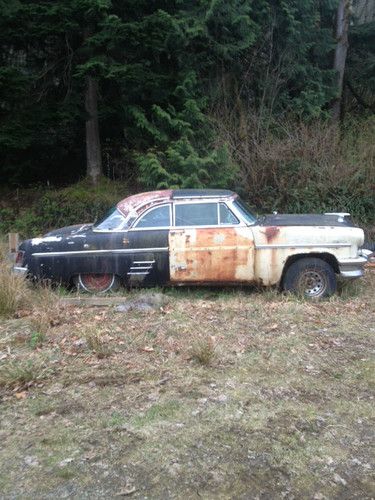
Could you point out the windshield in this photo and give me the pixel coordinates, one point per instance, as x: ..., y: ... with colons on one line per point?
x: 245, y: 211
x: 112, y: 221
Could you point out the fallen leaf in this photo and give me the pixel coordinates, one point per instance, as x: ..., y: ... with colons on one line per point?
x: 21, y: 395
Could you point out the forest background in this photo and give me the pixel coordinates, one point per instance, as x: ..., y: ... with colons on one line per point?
x: 99, y: 99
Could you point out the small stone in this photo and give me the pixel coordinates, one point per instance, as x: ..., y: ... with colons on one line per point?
x: 339, y: 480
x: 31, y: 461
x: 66, y: 461
x: 222, y: 398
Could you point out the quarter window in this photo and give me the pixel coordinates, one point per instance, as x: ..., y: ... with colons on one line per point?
x: 157, y: 217
x: 196, y: 214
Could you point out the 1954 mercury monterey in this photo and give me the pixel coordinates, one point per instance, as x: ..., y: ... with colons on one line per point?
x: 198, y: 237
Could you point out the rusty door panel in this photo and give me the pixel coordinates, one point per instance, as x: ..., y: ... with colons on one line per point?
x: 221, y: 254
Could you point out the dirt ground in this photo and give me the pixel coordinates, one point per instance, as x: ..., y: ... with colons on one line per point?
x: 205, y: 394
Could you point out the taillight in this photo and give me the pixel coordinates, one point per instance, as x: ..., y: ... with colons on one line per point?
x: 19, y: 257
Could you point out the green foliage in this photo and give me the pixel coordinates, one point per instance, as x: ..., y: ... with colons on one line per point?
x: 51, y: 209
x: 166, y: 72
x: 180, y: 166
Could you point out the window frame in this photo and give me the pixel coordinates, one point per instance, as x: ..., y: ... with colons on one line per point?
x: 135, y: 227
x: 227, y: 224
x: 205, y: 201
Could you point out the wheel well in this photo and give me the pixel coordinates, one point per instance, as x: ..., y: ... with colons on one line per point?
x: 327, y: 257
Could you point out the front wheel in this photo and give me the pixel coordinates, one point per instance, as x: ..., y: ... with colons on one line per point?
x: 311, y: 278
x: 97, y: 283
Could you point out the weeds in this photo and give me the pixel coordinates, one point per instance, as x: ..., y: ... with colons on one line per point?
x: 13, y: 290
x: 97, y: 341
x: 203, y: 351
x: 23, y: 373
x: 36, y: 340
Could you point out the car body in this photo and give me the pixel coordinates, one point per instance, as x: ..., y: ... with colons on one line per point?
x: 189, y: 237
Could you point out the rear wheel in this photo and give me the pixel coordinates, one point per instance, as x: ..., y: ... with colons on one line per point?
x: 311, y: 278
x: 97, y: 283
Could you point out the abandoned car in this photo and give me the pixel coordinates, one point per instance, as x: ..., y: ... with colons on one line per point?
x: 179, y: 237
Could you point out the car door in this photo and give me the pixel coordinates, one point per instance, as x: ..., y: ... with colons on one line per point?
x: 147, y: 245
x: 209, y: 244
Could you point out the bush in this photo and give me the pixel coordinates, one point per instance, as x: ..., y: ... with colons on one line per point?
x: 51, y: 209
x: 304, y: 167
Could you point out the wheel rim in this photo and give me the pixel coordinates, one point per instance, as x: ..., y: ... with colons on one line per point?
x: 312, y: 283
x: 96, y: 283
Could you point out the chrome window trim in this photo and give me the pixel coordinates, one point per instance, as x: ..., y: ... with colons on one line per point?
x: 226, y: 202
x: 303, y: 245
x: 151, y: 209
x: 219, y: 219
x: 195, y: 202
x: 101, y: 252
x: 180, y: 201
x: 239, y: 216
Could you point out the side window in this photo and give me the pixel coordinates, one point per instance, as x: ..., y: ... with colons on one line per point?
x: 156, y: 217
x: 227, y: 216
x: 196, y: 214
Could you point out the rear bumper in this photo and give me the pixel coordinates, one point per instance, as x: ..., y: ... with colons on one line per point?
x: 354, y: 268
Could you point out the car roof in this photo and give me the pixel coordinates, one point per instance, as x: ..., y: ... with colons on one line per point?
x: 201, y: 193
x: 141, y: 201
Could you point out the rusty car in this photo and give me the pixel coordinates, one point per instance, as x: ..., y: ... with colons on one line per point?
x: 191, y: 237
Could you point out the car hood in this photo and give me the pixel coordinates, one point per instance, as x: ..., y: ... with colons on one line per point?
x: 68, y: 230
x: 306, y: 220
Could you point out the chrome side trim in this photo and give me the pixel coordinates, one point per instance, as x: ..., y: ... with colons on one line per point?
x: 304, y: 245
x: 101, y: 252
x: 139, y: 268
x: 19, y: 270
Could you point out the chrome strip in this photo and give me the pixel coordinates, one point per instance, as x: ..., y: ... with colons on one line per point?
x: 133, y: 268
x: 19, y: 270
x: 131, y: 273
x: 303, y: 245
x: 99, y: 252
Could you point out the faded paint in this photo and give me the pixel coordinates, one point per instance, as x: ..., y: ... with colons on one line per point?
x: 211, y: 255
x: 271, y: 254
x: 46, y: 239
x: 140, y: 202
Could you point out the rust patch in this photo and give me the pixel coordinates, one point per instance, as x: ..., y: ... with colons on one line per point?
x: 211, y: 255
x: 271, y: 232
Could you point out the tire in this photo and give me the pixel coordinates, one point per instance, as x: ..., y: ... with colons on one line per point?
x: 97, y: 283
x: 311, y: 278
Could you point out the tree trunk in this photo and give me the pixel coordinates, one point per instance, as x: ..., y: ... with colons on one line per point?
x: 342, y: 28
x: 93, y: 149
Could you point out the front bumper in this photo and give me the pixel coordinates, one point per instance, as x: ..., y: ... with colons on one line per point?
x: 20, y: 270
x: 354, y: 268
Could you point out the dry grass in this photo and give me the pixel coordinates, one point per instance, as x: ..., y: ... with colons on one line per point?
x: 13, y: 290
x: 215, y: 395
x: 19, y: 374
x: 203, y: 351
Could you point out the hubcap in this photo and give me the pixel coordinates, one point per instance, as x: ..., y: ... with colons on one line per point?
x: 96, y: 283
x: 312, y: 283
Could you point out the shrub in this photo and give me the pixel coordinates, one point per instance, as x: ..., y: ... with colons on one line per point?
x: 203, y: 351
x: 51, y: 209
